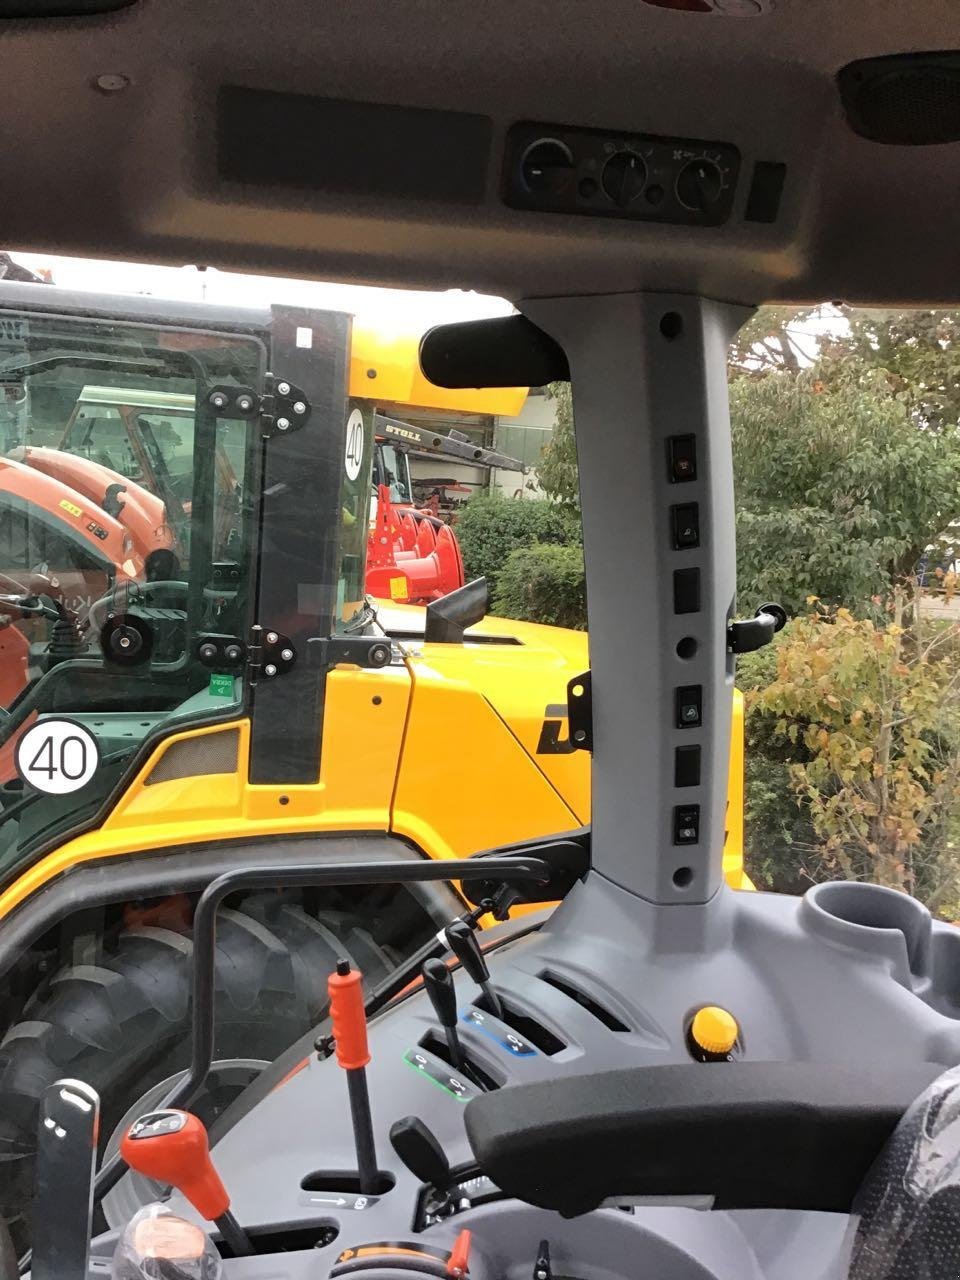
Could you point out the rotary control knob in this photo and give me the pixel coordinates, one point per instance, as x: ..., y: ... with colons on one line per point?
x: 623, y: 178
x: 547, y: 166
x: 699, y: 184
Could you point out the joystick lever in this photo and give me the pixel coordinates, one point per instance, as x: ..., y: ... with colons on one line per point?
x: 349, y: 1017
x: 172, y: 1146
x: 420, y: 1151
x: 438, y: 983
x: 462, y: 941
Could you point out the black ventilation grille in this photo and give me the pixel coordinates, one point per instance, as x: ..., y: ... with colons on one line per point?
x: 585, y: 1000
x: 909, y: 99
x: 195, y: 757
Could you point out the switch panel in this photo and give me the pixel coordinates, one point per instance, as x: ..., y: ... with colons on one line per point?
x: 686, y: 824
x: 601, y: 174
x: 689, y: 706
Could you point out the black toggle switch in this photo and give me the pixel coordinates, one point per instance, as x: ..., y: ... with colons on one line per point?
x: 686, y: 525
x: 682, y: 456
x: 686, y: 824
x: 689, y: 706
x: 418, y: 1148
x: 686, y: 591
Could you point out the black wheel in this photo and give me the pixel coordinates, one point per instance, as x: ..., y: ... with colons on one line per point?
x: 123, y: 1025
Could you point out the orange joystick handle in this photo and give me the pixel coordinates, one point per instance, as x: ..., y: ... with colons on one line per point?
x: 171, y: 1146
x: 349, y: 1018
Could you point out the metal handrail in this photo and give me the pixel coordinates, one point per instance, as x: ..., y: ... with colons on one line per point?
x: 333, y: 875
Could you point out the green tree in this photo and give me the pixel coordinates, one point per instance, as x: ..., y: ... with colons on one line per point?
x: 845, y: 471
x: 557, y: 469
x: 920, y: 353
x: 869, y: 710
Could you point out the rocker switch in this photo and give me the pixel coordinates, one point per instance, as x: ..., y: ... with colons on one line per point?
x: 686, y: 824
x: 689, y: 706
x: 686, y: 525
x: 682, y: 454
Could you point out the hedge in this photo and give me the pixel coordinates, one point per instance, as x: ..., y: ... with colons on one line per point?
x: 543, y: 583
x: 490, y: 527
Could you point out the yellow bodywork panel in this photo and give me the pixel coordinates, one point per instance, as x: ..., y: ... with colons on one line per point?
x: 385, y: 367
x: 463, y: 748
x: 465, y: 782
x: 361, y: 746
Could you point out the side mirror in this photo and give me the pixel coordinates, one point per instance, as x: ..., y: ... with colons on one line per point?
x: 449, y: 617
x: 502, y: 351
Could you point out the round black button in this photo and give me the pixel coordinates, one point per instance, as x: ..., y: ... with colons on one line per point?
x: 655, y: 193
x: 588, y: 188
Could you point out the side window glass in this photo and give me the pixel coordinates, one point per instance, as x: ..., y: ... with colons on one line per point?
x: 127, y: 528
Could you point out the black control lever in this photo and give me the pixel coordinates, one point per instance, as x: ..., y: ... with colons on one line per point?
x: 541, y: 1268
x: 420, y: 1151
x: 462, y: 941
x: 62, y: 1210
x: 438, y: 982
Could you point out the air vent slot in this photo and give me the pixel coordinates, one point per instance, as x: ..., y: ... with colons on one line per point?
x: 528, y: 1028
x: 436, y: 1044
x: 585, y: 1001
x: 346, y: 1182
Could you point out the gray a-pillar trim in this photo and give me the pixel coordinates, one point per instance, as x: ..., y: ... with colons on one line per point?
x: 645, y: 368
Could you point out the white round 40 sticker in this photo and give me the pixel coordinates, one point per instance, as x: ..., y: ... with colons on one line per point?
x: 353, y: 455
x: 57, y: 756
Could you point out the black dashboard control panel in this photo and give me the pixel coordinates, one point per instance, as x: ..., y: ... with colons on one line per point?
x: 615, y: 175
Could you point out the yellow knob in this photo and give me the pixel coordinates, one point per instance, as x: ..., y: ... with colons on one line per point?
x: 714, y: 1030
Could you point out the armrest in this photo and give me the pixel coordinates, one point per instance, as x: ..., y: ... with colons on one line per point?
x: 753, y: 1135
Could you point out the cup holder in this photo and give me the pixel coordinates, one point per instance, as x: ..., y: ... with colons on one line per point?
x: 881, y: 922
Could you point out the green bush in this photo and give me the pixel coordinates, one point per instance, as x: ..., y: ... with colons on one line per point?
x: 778, y: 832
x: 491, y: 526
x: 543, y: 583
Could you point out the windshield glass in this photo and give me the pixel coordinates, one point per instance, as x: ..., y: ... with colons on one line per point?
x: 124, y: 514
x: 395, y: 472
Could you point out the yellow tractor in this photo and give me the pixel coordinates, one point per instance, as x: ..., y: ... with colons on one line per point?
x: 233, y: 699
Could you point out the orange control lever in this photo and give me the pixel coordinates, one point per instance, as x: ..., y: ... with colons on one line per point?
x: 349, y: 1018
x: 171, y: 1146
x: 458, y: 1264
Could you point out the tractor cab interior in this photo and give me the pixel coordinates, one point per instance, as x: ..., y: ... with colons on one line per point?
x: 661, y: 1078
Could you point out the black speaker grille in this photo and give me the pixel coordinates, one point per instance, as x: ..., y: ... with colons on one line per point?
x: 910, y: 99
x: 196, y: 757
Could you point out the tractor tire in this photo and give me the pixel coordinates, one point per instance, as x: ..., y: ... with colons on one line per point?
x: 123, y: 1025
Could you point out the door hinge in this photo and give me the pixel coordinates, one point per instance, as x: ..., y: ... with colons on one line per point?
x: 281, y: 408
x: 269, y: 654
